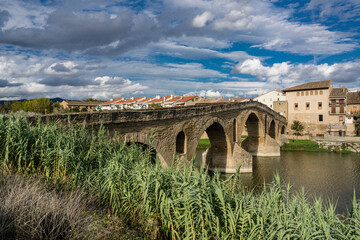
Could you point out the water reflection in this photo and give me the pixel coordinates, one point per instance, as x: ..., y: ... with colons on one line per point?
x: 331, y: 176
x: 327, y: 175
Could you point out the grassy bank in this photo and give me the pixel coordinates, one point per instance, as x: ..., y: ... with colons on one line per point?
x: 302, y: 145
x: 306, y: 145
x: 205, y: 143
x: 173, y: 203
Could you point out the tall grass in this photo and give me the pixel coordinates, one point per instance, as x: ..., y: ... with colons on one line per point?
x: 173, y: 203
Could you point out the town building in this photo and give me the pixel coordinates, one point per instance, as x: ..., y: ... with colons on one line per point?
x: 137, y: 103
x: 89, y: 106
x: 270, y: 97
x: 309, y: 104
x: 353, y: 102
x: 220, y: 100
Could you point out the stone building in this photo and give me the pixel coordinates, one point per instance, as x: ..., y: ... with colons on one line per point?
x: 270, y: 97
x: 281, y: 107
x: 89, y: 106
x: 337, y: 112
x: 309, y: 104
x: 353, y: 102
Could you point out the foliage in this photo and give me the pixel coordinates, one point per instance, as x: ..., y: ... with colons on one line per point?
x: 297, y: 126
x: 302, y: 145
x: 174, y: 203
x: 16, y: 106
x: 31, y: 209
x: 40, y: 105
x: 91, y: 100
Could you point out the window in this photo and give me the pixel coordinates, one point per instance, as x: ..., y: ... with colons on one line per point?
x: 302, y: 93
x: 342, y: 110
x: 298, y: 94
x: 342, y: 101
x: 307, y: 105
x: 307, y: 93
x: 333, y: 101
x: 341, y: 118
x: 316, y: 92
x: 320, y: 118
x: 311, y: 93
x: 333, y: 110
x: 319, y: 105
x: 321, y: 92
x: 296, y: 106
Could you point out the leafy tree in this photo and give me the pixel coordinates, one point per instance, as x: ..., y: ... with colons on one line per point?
x: 297, y: 127
x: 83, y: 110
x: 91, y: 100
x: 39, y: 105
x: 16, y: 106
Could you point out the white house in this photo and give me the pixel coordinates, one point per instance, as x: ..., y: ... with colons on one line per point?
x: 270, y: 97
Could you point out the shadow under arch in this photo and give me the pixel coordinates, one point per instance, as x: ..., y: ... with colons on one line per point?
x: 251, y: 143
x: 145, y: 148
x: 272, y: 129
x: 283, y: 130
x: 181, y: 143
x: 216, y: 155
x: 147, y: 142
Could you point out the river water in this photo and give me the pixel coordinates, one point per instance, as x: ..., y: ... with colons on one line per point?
x: 331, y: 176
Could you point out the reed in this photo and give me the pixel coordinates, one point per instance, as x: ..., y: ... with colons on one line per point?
x: 174, y: 203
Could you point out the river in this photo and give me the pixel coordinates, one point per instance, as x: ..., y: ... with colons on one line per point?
x: 331, y: 176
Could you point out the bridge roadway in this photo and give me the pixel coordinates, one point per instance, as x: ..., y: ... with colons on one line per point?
x: 177, y: 131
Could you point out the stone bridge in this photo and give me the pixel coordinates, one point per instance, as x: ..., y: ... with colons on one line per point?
x: 175, y: 132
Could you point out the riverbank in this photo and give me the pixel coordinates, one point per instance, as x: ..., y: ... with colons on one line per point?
x: 179, y: 202
x: 313, y: 146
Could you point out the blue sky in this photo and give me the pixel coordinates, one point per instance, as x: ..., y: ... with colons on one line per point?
x: 116, y: 48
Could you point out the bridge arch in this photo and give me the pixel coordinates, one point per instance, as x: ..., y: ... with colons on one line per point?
x: 181, y: 143
x: 272, y: 132
x: 220, y: 150
x: 283, y: 129
x: 253, y: 122
x: 146, y: 140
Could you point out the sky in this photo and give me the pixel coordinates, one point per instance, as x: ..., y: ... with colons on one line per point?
x: 103, y: 49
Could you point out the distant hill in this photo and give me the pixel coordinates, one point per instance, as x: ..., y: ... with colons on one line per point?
x: 57, y: 99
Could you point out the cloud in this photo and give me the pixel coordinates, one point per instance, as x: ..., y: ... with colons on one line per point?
x: 201, y: 20
x: 342, y: 9
x: 4, y: 17
x: 65, y: 80
x: 346, y: 73
x: 112, y: 31
x: 5, y: 83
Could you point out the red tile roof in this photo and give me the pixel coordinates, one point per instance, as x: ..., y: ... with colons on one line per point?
x: 310, y: 85
x: 186, y: 98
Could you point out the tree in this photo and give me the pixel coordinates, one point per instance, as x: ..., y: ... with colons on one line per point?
x: 91, y: 100
x: 39, y: 105
x: 16, y: 106
x: 297, y: 127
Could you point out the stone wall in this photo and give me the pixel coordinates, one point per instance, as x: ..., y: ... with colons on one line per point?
x: 337, y: 146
